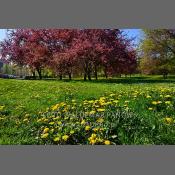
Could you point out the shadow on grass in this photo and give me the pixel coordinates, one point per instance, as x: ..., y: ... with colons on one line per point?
x: 131, y: 81
x: 123, y: 80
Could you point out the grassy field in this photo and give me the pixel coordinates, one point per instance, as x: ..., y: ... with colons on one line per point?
x: 148, y: 101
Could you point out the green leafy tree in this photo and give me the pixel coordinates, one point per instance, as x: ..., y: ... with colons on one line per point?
x: 157, y: 51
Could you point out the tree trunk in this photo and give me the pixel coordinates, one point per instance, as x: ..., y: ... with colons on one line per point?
x: 87, y: 71
x: 61, y: 77
x: 34, y: 76
x: 106, y: 75
x: 89, y: 76
x: 95, y: 71
x: 85, y: 76
x: 39, y: 73
x: 165, y: 76
x: 105, y: 72
x: 70, y: 77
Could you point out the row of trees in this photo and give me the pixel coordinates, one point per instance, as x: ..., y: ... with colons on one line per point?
x: 70, y: 51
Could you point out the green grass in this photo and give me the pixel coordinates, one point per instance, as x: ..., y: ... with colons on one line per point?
x: 21, y: 97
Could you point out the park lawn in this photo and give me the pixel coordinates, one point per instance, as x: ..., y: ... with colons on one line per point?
x: 21, y: 98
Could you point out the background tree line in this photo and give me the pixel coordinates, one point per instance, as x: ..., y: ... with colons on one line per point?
x: 89, y: 53
x: 83, y: 52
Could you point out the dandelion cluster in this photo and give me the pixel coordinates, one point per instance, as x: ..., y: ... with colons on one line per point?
x: 94, y: 121
x: 136, y: 116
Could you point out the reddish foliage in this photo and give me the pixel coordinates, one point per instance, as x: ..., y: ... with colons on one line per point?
x: 63, y: 50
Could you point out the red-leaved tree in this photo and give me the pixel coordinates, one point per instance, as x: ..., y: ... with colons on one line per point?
x: 66, y: 50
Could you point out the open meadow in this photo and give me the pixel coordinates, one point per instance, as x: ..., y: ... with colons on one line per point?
x: 87, y: 87
x: 136, y: 110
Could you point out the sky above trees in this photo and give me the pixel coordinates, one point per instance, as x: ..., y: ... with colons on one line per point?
x: 134, y: 33
x: 130, y: 32
x: 2, y: 34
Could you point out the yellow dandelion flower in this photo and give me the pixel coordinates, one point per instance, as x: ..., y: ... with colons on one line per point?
x: 91, y: 101
x: 55, y: 107
x: 59, y: 123
x: 102, y: 103
x: 111, y: 95
x: 107, y: 142
x: 65, y: 137
x: 92, y: 112
x: 168, y: 102
x: 95, y: 129
x: 1, y: 108
x: 86, y: 113
x: 109, y: 103
x: 92, y: 141
x: 44, y: 136
x: 93, y: 136
x: 100, y: 140
x: 39, y: 120
x: 56, y: 139
x: 148, y: 96
x: 169, y: 120
x: 62, y: 104
x: 51, y: 123
x: 87, y: 128
x: 100, y: 110
x: 100, y: 120
x: 46, y: 120
x: 154, y: 102
x: 150, y: 109
x: 46, y: 130
x: 72, y: 132
x: 167, y: 96
x: 65, y: 110
x: 83, y: 122
x: 25, y: 120
x: 102, y: 98
x: 52, y: 130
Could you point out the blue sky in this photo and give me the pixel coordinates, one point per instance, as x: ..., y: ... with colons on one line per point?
x: 129, y: 32
x: 134, y: 33
x: 2, y: 34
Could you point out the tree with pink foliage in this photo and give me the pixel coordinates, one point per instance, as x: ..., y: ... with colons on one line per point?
x: 64, y: 50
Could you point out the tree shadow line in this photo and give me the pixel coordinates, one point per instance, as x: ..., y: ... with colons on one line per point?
x: 123, y: 80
